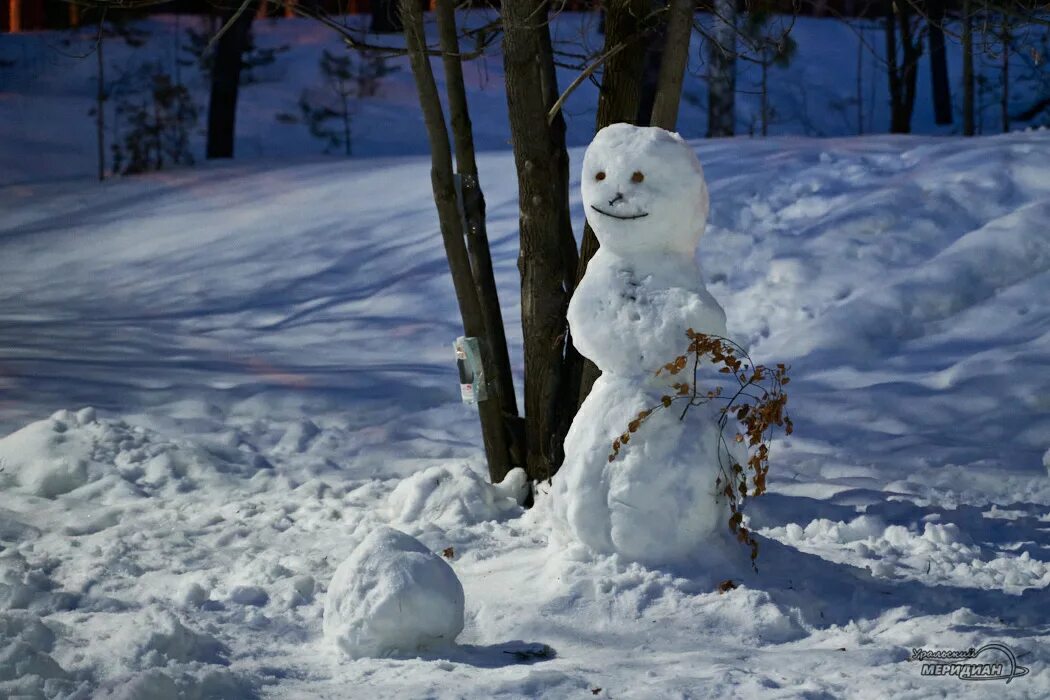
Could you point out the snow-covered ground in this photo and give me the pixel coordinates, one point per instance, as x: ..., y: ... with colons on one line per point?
x: 268, y: 352
x: 265, y: 348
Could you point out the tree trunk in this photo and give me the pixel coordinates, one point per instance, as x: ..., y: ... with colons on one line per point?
x: 902, y: 76
x: 226, y: 82
x: 618, y: 100
x: 860, y: 84
x: 14, y: 16
x: 495, y: 353
x: 672, y: 68
x: 542, y: 169
x: 451, y: 225
x: 942, y: 94
x: 1004, y: 80
x: 721, y: 75
x: 385, y: 17
x: 100, y: 100
x: 967, y: 49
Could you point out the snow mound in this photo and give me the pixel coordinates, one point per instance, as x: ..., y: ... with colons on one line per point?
x: 69, y: 450
x: 162, y: 639
x: 26, y: 665
x: 940, y: 554
x: 455, y: 496
x: 392, y: 595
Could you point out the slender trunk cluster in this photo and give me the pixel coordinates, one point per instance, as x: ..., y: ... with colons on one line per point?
x: 461, y: 212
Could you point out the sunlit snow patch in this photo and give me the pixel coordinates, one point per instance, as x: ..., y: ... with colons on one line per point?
x: 940, y: 554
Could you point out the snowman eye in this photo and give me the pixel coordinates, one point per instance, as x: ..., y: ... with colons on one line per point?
x: 637, y: 177
x: 600, y: 175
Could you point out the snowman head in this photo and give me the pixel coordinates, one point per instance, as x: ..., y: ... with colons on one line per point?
x: 644, y: 191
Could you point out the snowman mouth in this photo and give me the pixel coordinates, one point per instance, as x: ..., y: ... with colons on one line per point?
x: 617, y: 216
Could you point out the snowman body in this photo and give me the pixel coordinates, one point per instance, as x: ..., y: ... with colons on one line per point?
x: 656, y: 502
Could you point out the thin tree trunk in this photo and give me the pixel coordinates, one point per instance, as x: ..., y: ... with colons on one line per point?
x: 496, y: 354
x: 967, y: 49
x: 541, y: 162
x: 721, y: 76
x: 892, y: 70
x: 860, y: 84
x: 902, y: 76
x: 912, y: 51
x: 654, y: 40
x: 764, y: 106
x: 14, y: 16
x: 451, y: 223
x: 672, y: 68
x: 225, y: 84
x: 100, y: 100
x: 1004, y: 80
x: 346, y: 123
x: 618, y: 100
x: 942, y: 94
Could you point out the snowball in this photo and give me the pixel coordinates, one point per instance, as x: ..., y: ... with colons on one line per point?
x: 392, y: 594
x: 454, y: 496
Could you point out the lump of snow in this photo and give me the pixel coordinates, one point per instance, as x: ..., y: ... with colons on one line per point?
x: 454, y: 496
x: 249, y: 595
x: 164, y: 639
x: 62, y: 453
x: 392, y: 594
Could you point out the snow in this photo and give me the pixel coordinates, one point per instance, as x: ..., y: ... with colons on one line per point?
x: 455, y: 496
x: 644, y: 194
x: 392, y: 594
x: 266, y: 347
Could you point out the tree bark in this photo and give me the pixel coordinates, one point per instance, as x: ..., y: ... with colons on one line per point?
x: 496, y: 354
x: 226, y: 82
x: 942, y: 94
x: 100, y: 99
x: 672, y: 68
x: 14, y: 16
x: 451, y: 225
x: 721, y: 76
x: 902, y: 76
x: 1004, y: 79
x: 541, y: 162
x: 967, y: 49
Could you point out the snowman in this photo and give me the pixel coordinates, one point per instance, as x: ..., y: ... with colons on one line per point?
x: 656, y: 503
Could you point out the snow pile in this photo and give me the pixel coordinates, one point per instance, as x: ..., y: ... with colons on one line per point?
x: 69, y: 450
x: 26, y: 665
x: 392, y: 595
x: 646, y: 199
x: 454, y: 496
x: 940, y: 554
